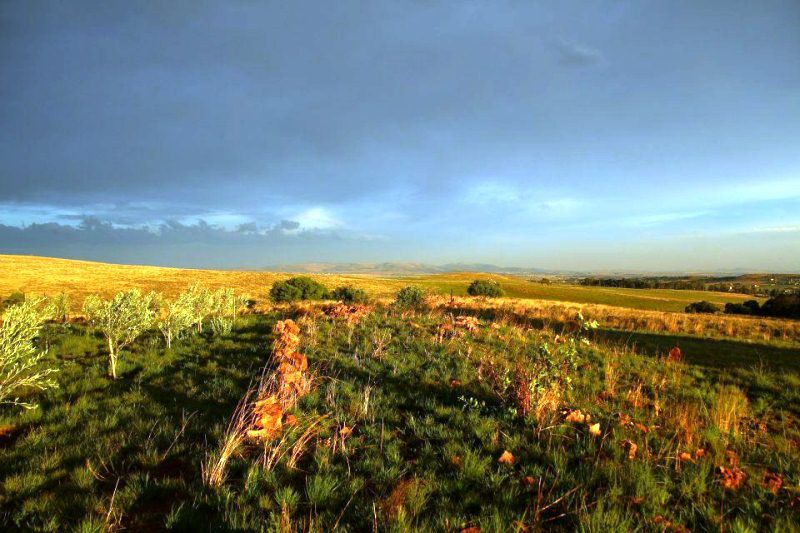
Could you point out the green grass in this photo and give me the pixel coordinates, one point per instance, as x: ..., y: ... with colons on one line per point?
x: 516, y: 287
x: 423, y: 453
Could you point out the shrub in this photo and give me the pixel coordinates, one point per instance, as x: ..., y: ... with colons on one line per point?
x: 15, y: 298
x: 298, y: 288
x: 484, y: 287
x: 737, y: 309
x: 729, y: 409
x: 783, y: 305
x: 21, y: 365
x: 702, y: 307
x: 753, y: 306
x: 750, y: 307
x: 410, y: 297
x: 350, y: 295
x: 201, y: 302
x: 174, y: 318
x: 282, y: 291
x: 59, y: 306
x: 121, y: 320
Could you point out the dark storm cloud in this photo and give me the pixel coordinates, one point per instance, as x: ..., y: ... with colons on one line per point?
x: 388, y: 122
x: 174, y: 243
x: 95, y: 231
x: 200, y: 102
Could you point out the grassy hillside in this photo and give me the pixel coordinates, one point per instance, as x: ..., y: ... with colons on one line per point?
x: 404, y: 429
x: 40, y: 275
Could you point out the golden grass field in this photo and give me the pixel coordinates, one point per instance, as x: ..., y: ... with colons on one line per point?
x: 625, y: 309
x: 47, y: 276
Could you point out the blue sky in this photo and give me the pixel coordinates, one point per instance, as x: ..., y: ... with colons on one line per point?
x: 564, y: 135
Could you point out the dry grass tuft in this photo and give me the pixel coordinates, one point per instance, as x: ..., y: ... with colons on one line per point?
x: 730, y: 408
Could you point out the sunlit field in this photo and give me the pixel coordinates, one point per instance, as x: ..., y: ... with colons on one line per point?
x: 42, y: 275
x: 462, y: 414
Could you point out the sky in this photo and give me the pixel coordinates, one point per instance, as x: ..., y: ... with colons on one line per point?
x: 608, y: 135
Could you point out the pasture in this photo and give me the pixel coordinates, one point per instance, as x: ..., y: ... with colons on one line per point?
x: 461, y: 414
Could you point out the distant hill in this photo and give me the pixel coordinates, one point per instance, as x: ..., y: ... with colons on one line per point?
x: 49, y: 276
x: 400, y: 268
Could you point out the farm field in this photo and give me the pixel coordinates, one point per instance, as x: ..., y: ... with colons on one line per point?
x: 42, y: 275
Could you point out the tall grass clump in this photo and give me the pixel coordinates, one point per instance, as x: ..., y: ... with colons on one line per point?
x: 730, y: 407
x: 21, y: 364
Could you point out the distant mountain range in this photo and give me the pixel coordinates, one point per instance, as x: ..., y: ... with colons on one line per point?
x: 399, y: 268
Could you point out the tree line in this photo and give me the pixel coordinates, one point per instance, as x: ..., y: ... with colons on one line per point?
x: 780, y: 306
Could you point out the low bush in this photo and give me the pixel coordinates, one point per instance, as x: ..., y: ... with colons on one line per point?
x: 485, y: 287
x: 702, y: 307
x: 15, y: 298
x: 22, y: 366
x: 410, y: 297
x: 298, y: 288
x: 350, y: 295
x: 750, y: 307
x: 784, y: 305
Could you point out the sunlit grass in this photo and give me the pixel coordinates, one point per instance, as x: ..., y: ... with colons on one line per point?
x: 428, y: 424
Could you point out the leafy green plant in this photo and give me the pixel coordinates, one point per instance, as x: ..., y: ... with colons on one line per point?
x: 350, y: 295
x: 21, y: 364
x: 15, y: 298
x: 297, y: 288
x: 201, y: 302
x: 174, y: 317
x: 410, y: 297
x: 59, y: 307
x: 121, y: 320
x: 485, y: 287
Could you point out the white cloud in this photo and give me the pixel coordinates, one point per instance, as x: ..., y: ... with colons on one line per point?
x: 316, y: 218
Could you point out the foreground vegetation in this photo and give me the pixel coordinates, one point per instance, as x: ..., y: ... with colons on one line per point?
x: 438, y: 416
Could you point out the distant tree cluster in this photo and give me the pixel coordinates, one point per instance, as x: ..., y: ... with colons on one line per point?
x: 306, y: 288
x: 750, y: 307
x: 782, y: 284
x: 780, y: 306
x: 647, y: 283
x: 702, y: 307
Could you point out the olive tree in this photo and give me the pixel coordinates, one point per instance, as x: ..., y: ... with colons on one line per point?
x: 201, y: 301
x: 226, y: 305
x: 174, y: 317
x: 21, y: 364
x: 121, y: 320
x: 59, y: 307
